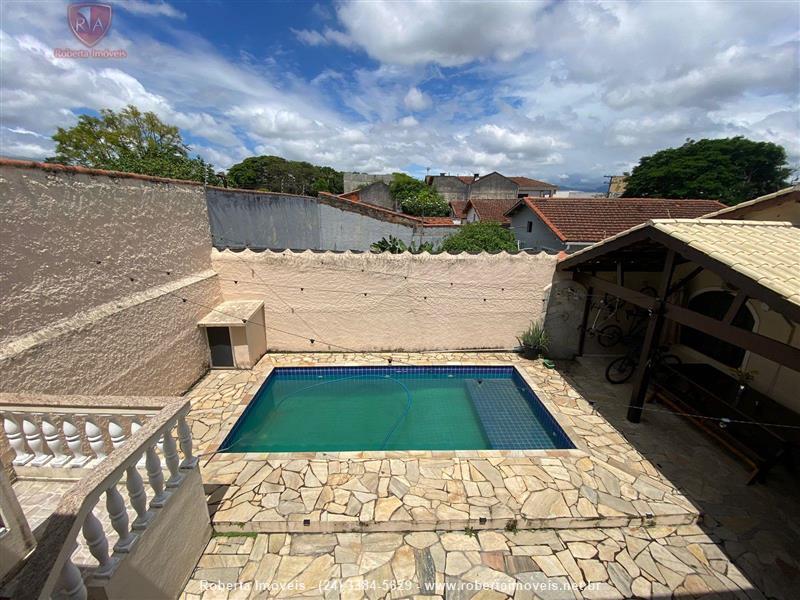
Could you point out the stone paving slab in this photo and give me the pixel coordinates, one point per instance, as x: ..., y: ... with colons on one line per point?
x: 604, y: 482
x: 610, y: 563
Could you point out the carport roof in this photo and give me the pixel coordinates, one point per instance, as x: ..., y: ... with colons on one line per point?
x: 753, y: 254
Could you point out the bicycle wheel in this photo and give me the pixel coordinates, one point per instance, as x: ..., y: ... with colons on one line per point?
x: 610, y: 335
x: 620, y: 370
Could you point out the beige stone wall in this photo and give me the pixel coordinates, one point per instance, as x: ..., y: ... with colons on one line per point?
x: 71, y: 325
x: 412, y: 302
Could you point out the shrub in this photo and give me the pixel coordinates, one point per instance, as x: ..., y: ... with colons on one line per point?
x: 535, y: 339
x: 480, y: 236
x: 395, y: 245
x: 417, y: 198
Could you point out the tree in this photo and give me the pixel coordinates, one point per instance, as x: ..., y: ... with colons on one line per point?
x: 417, y: 198
x: 480, y: 236
x: 730, y: 170
x: 130, y: 141
x: 276, y: 174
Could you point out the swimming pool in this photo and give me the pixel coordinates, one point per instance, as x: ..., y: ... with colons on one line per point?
x: 318, y: 409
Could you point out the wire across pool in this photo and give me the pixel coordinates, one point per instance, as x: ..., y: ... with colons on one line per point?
x: 341, y: 409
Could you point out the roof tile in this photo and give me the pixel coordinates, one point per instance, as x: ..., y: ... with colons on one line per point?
x: 594, y: 219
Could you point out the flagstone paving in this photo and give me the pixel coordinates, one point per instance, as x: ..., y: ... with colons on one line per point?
x: 755, y: 527
x: 611, y: 563
x: 604, y: 482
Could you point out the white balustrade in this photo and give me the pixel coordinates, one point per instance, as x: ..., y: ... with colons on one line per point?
x: 72, y: 434
x: 16, y: 440
x: 136, y: 425
x: 43, y: 440
x: 116, y: 431
x: 172, y: 459
x: 98, y: 545
x: 137, y: 496
x: 33, y: 436
x: 185, y: 438
x: 95, y: 437
x: 70, y: 584
x: 115, y: 505
x: 52, y: 438
x: 155, y: 477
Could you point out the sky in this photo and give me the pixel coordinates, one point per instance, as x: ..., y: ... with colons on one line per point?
x: 561, y: 91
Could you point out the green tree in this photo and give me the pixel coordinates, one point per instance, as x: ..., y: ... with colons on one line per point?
x: 130, y: 141
x: 276, y: 174
x: 731, y: 170
x: 417, y: 198
x: 480, y: 236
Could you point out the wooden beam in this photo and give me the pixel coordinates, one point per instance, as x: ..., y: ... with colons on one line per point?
x: 651, y: 340
x: 585, y: 319
x: 680, y: 284
x: 752, y: 288
x: 776, y: 351
x: 636, y: 298
x: 734, y: 308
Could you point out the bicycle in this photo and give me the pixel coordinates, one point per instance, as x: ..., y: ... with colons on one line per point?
x: 612, y: 334
x: 622, y: 369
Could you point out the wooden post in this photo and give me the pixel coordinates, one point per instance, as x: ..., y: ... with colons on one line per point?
x: 585, y: 320
x: 651, y: 339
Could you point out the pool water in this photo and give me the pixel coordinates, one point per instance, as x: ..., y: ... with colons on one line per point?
x: 394, y: 408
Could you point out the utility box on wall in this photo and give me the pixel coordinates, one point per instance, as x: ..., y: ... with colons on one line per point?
x: 236, y: 334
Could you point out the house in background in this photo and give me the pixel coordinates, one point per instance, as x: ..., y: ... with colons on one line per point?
x: 783, y: 205
x: 617, y: 185
x: 354, y: 181
x: 488, y: 209
x: 491, y: 186
x: 570, y: 224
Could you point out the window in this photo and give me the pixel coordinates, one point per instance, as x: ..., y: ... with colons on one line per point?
x: 530, y: 226
x: 715, y: 304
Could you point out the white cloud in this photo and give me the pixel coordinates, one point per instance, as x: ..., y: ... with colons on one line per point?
x: 161, y: 9
x: 557, y: 90
x: 416, y: 100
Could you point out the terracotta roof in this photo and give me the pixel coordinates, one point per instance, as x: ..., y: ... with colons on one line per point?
x: 459, y: 208
x: 492, y: 209
x: 466, y: 178
x: 528, y: 182
x: 438, y: 222
x: 594, y: 219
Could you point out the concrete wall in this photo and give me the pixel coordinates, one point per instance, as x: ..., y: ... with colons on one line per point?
x: 71, y: 325
x: 493, y: 186
x: 267, y: 220
x: 541, y: 236
x: 450, y: 187
x: 353, y: 181
x: 412, y: 302
x: 377, y: 194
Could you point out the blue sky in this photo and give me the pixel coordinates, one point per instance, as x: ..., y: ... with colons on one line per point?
x: 561, y: 91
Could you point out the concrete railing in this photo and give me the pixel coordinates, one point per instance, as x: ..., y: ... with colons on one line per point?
x: 69, y: 432
x: 49, y: 571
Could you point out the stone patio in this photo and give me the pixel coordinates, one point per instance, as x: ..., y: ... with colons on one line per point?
x: 655, y: 562
x: 603, y: 483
